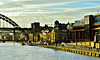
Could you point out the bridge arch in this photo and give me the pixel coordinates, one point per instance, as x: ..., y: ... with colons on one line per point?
x: 10, y: 21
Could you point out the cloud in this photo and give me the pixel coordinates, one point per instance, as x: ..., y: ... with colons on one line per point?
x: 92, y: 3
x: 18, y: 0
x: 47, y: 11
x: 63, y: 17
x: 1, y: 3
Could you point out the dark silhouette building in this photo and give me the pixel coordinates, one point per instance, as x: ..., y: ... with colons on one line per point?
x: 60, y: 32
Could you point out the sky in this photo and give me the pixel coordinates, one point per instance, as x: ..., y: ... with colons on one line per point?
x: 25, y: 12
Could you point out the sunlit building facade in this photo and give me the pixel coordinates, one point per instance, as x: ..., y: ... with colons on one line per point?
x: 86, y: 29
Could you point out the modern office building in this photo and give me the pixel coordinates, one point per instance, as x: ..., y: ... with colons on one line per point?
x: 86, y: 29
x: 69, y: 32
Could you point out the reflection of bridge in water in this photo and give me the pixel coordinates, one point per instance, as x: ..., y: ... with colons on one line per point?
x: 11, y: 31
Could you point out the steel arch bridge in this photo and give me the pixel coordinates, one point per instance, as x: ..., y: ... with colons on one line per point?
x: 10, y: 21
x: 25, y: 31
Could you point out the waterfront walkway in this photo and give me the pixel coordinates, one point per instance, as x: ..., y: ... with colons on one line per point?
x: 82, y: 48
x: 75, y: 49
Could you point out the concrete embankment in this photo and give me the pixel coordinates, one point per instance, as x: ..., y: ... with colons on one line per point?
x: 77, y: 51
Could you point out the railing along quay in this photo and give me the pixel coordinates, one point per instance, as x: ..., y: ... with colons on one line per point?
x: 74, y: 49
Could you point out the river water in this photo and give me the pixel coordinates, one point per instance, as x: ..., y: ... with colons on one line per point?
x: 14, y: 51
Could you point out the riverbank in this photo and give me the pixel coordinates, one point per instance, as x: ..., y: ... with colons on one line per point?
x: 77, y: 51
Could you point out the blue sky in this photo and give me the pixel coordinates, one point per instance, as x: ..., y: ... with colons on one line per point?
x: 77, y: 4
x: 25, y: 12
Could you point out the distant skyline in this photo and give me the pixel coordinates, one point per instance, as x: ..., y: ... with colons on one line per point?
x: 25, y: 12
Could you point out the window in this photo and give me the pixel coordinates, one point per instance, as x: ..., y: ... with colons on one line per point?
x: 56, y: 28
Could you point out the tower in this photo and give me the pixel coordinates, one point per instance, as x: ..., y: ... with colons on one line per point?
x: 88, y: 21
x: 56, y: 28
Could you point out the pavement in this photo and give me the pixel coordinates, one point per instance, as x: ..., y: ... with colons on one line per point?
x: 81, y: 48
x: 73, y: 47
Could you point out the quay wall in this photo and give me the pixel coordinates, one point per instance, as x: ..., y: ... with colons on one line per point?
x: 83, y: 52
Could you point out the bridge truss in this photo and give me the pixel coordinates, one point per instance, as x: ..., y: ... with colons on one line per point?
x: 10, y: 21
x: 15, y: 28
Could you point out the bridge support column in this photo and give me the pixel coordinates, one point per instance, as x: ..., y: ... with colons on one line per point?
x: 13, y: 36
x: 31, y: 37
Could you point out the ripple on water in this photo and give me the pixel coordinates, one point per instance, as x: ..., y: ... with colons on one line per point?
x: 14, y: 51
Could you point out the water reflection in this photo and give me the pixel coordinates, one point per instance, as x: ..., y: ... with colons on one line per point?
x: 14, y: 51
